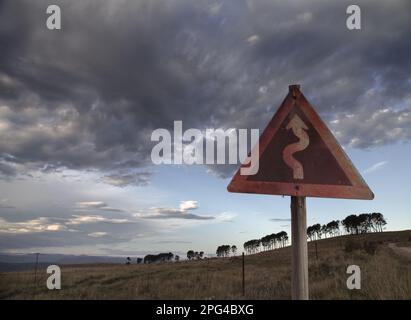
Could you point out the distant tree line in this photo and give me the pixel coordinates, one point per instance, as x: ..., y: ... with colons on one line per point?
x: 364, y: 223
x: 317, y: 230
x: 225, y: 250
x: 156, y: 258
x: 352, y: 224
x: 268, y: 242
x: 195, y: 255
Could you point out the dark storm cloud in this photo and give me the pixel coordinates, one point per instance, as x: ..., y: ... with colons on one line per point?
x: 88, y: 96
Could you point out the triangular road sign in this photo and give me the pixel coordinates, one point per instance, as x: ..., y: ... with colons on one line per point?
x: 299, y: 156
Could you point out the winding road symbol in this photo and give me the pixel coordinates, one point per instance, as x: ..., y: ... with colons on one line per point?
x: 300, y: 157
x: 298, y: 127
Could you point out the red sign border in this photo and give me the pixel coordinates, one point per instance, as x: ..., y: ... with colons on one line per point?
x: 359, y: 188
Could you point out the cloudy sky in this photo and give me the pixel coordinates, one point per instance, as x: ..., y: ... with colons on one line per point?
x: 78, y: 106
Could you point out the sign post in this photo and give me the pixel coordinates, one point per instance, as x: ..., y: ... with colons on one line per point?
x: 299, y: 259
x: 300, y: 157
x: 243, y: 273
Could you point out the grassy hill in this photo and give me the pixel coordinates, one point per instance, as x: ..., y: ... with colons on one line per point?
x: 384, y: 259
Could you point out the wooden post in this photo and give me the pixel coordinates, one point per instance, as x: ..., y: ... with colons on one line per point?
x: 243, y: 278
x: 299, y: 280
x: 35, y: 276
x: 35, y: 268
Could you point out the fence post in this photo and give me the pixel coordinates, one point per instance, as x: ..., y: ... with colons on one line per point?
x: 243, y: 277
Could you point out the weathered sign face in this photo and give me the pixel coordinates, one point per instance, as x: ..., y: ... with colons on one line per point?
x: 299, y: 156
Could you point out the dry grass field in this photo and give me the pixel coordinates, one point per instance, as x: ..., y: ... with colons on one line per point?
x: 385, y: 271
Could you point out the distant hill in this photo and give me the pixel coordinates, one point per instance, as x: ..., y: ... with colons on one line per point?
x: 21, y: 262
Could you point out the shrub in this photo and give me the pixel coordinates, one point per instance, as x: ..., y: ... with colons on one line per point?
x: 324, y: 268
x: 351, y: 246
x: 371, y: 247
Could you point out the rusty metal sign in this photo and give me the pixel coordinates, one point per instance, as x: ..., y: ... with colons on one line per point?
x: 299, y: 156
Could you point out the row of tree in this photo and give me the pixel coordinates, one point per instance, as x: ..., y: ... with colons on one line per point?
x: 225, y: 250
x: 364, y: 223
x: 155, y: 258
x: 317, y: 230
x: 161, y: 257
x: 352, y: 224
x: 195, y: 255
x: 268, y: 242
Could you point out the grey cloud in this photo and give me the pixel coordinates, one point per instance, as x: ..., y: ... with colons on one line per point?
x: 280, y: 220
x: 375, y: 167
x: 172, y: 241
x: 167, y: 213
x: 53, y: 224
x: 97, y: 234
x: 87, y: 219
x: 122, y: 179
x: 381, y: 127
x: 3, y: 206
x: 172, y: 213
x: 95, y: 206
x: 88, y: 96
x: 42, y: 224
x: 7, y: 169
x: 91, y: 230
